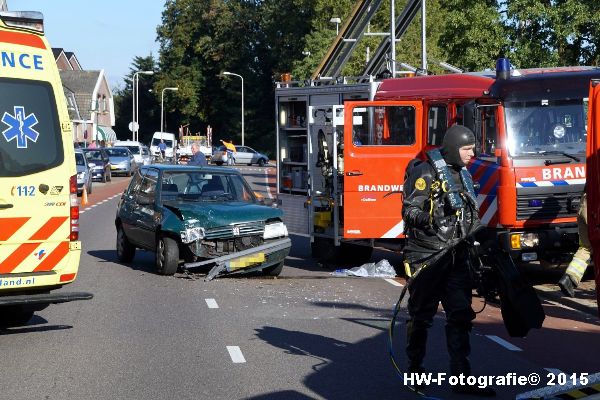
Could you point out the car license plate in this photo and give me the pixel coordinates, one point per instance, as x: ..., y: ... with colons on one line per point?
x: 247, y: 261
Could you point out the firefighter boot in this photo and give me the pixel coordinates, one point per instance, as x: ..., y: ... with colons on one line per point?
x: 567, y: 286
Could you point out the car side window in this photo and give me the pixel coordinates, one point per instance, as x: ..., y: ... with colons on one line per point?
x: 135, y: 183
x: 148, y: 186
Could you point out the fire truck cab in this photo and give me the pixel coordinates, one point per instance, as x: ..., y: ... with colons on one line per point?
x: 530, y: 127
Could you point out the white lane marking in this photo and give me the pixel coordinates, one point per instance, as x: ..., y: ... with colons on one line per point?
x: 87, y: 209
x: 504, y: 343
x: 554, y: 371
x: 211, y: 303
x: 393, y: 282
x: 236, y: 354
x: 93, y: 205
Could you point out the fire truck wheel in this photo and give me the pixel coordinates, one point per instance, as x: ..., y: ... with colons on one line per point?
x: 125, y: 250
x: 323, y: 250
x: 167, y: 256
x: 15, y: 316
x: 356, y: 254
x: 274, y: 270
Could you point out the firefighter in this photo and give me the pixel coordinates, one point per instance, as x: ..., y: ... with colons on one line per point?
x: 572, y: 277
x: 440, y: 211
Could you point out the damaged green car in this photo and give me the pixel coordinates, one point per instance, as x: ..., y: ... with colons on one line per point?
x: 200, y: 217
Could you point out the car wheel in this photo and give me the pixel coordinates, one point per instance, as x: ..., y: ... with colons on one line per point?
x: 125, y: 250
x: 167, y: 256
x: 15, y: 316
x: 219, y: 162
x: 261, y: 162
x: 273, y: 270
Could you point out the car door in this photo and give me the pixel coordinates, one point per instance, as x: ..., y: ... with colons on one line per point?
x: 242, y: 156
x: 127, y: 208
x: 380, y: 139
x: 593, y: 177
x: 146, y: 211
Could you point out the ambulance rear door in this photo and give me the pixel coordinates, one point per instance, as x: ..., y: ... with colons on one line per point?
x: 37, y: 168
x: 380, y: 138
x: 593, y: 177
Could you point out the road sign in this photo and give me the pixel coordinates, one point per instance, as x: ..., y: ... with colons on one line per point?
x: 134, y: 126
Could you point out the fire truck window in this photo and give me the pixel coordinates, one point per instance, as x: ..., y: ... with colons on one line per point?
x: 384, y: 126
x: 489, y: 131
x: 437, y: 123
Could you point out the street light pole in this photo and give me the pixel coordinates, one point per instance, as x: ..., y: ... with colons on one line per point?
x: 162, y: 107
x: 239, y: 76
x: 134, y: 96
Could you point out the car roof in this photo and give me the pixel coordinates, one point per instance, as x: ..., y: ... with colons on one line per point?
x: 169, y: 167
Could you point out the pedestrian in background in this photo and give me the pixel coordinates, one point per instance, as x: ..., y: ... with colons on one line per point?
x: 198, y: 157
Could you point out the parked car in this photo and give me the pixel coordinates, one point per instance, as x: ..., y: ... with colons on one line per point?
x: 140, y: 152
x: 99, y: 163
x: 121, y: 160
x: 242, y: 155
x: 84, y: 175
x: 247, y: 155
x: 199, y: 214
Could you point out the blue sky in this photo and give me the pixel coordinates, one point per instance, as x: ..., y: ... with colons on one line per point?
x: 103, y: 34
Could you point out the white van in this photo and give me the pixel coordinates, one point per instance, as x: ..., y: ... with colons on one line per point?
x: 140, y: 152
x: 170, y: 141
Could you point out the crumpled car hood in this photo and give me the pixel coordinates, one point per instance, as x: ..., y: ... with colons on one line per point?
x: 212, y: 215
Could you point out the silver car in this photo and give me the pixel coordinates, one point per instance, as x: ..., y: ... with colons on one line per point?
x: 243, y: 155
x: 84, y: 176
x: 121, y: 161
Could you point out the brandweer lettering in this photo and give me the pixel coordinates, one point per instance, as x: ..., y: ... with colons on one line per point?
x: 379, y: 188
x: 24, y: 60
x: 558, y: 173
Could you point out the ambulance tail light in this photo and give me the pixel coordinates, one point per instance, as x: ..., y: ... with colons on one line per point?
x: 32, y: 20
x: 74, y: 213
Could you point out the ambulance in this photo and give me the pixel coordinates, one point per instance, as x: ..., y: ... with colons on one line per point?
x: 39, y: 214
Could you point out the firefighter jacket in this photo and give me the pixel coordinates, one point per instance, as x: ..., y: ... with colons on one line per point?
x: 439, y: 208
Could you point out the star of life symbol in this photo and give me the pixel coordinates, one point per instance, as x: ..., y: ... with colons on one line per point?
x: 20, y: 127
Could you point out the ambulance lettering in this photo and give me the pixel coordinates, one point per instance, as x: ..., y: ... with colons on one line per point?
x: 559, y: 174
x: 24, y: 60
x: 20, y: 127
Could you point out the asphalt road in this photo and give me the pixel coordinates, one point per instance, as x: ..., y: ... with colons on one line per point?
x: 304, y: 335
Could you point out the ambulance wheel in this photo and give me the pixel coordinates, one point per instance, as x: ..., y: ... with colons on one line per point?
x: 15, y: 316
x: 125, y: 250
x: 273, y: 270
x: 167, y: 256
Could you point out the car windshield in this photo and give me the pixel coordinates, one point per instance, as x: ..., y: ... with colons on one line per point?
x: 134, y: 149
x: 93, y: 155
x: 79, y: 159
x: 117, y: 152
x: 541, y: 126
x: 198, y: 186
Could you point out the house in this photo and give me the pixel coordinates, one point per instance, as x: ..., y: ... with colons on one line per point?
x: 89, y: 100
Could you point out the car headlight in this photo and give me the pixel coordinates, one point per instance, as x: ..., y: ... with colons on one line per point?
x: 192, y: 234
x: 277, y: 229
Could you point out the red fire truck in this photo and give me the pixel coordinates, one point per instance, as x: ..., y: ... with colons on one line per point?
x: 593, y: 168
x: 346, y: 159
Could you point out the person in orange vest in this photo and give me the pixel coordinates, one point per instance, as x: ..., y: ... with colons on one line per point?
x: 230, y: 150
x: 572, y: 276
